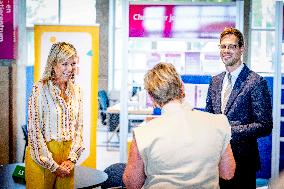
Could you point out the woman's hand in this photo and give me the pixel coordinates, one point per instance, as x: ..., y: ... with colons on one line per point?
x: 65, y: 168
x: 61, y: 171
x: 68, y: 165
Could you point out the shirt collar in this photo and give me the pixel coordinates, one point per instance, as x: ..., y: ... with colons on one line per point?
x: 56, y: 90
x: 173, y: 107
x: 236, y: 72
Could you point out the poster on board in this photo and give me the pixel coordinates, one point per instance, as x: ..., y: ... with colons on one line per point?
x: 86, y: 41
x: 8, y: 29
x: 180, y: 21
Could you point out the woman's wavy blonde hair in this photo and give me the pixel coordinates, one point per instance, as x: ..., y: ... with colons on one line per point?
x: 59, y: 52
x: 164, y: 84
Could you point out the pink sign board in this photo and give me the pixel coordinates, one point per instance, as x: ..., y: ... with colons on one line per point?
x: 180, y: 21
x: 8, y: 30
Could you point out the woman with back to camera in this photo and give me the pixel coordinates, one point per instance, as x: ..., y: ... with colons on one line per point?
x: 182, y: 148
x: 55, y: 122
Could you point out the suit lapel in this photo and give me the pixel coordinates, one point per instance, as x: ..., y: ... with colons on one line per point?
x: 239, y: 84
x: 219, y: 83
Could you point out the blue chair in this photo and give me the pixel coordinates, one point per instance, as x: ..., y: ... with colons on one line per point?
x: 115, y: 173
x: 110, y: 120
x: 103, y: 105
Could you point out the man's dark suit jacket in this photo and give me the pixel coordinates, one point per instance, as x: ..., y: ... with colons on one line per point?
x: 249, y: 112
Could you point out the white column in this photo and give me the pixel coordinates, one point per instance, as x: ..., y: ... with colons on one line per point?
x: 21, y: 80
x: 277, y: 90
x: 111, y: 44
x: 124, y: 87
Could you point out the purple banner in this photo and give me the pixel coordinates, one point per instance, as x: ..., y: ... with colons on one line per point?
x: 7, y: 30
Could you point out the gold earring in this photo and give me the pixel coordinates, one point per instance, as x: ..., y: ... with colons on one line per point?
x: 52, y: 74
x: 73, y: 77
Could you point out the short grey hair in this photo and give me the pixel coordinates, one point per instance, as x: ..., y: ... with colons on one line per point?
x: 163, y: 83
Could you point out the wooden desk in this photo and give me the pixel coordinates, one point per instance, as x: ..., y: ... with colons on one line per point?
x: 84, y: 177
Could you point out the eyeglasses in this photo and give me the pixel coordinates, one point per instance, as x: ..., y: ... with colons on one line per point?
x: 231, y: 47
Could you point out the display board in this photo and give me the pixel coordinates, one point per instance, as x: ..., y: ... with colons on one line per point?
x: 86, y: 41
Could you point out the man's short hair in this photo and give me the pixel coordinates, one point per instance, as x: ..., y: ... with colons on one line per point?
x: 234, y: 32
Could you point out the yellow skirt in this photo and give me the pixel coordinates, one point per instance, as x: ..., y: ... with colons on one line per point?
x: 38, y: 177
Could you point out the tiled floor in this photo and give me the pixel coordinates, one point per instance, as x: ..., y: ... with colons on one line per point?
x: 108, y: 155
x: 105, y: 156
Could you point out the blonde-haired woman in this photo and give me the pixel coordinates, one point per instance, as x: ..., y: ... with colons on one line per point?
x: 55, y: 122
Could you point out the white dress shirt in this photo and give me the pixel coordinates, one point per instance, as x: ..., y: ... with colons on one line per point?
x: 53, y: 118
x: 234, y: 75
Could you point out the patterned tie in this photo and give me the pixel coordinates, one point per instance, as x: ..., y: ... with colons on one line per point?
x: 227, y: 92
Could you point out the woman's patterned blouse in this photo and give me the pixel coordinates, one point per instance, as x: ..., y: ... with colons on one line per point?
x: 53, y: 118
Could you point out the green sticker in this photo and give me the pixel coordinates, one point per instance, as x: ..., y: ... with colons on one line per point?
x: 19, y: 172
